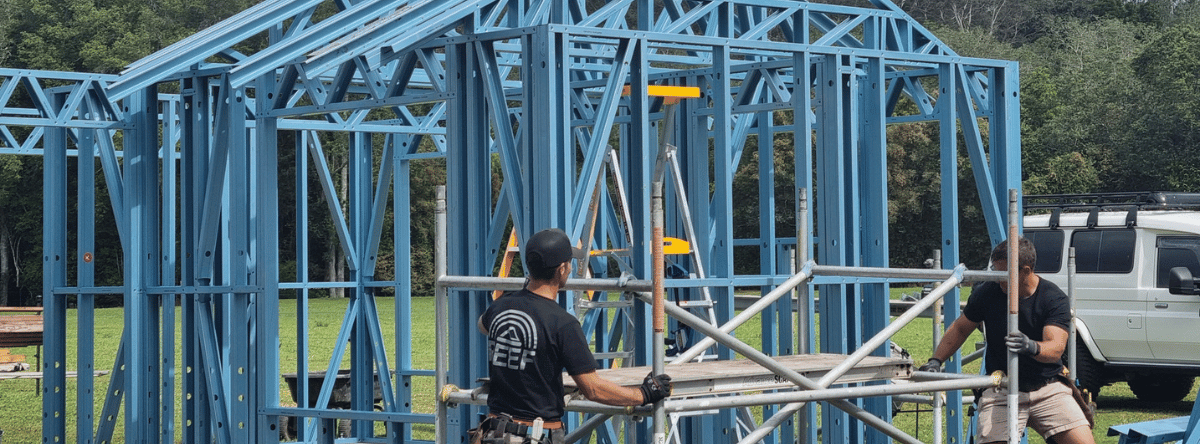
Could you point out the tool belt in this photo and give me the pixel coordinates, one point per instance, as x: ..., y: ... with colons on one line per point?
x: 1082, y: 397
x: 504, y: 429
x: 548, y: 425
x: 1034, y: 385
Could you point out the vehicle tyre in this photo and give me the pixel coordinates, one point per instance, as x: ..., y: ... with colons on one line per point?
x: 1160, y: 387
x: 287, y: 430
x: 1090, y: 375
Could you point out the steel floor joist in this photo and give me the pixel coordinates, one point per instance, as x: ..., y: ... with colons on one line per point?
x: 546, y: 89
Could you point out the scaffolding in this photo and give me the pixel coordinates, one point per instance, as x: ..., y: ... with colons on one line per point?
x: 792, y: 380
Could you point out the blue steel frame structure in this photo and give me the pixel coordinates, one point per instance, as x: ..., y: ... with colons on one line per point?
x: 536, y: 85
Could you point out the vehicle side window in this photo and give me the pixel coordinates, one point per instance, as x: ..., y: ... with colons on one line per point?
x: 1177, y: 251
x: 1049, y: 246
x: 1104, y: 251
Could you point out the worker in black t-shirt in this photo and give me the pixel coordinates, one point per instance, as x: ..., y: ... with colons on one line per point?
x: 531, y: 341
x: 1046, y: 403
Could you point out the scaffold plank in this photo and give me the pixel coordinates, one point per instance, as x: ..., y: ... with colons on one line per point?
x: 741, y: 375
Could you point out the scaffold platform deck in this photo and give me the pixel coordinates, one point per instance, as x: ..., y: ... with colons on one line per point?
x: 742, y: 375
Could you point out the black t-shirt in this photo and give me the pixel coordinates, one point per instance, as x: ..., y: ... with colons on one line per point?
x: 531, y: 340
x: 1047, y: 306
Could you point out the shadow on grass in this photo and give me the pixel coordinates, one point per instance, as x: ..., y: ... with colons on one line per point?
x: 1177, y: 408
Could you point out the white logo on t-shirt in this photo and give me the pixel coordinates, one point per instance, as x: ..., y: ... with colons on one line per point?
x: 513, y: 340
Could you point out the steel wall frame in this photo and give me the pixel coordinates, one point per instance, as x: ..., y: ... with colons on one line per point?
x: 194, y: 184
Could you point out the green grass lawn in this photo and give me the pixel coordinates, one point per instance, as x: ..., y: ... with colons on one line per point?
x: 20, y: 405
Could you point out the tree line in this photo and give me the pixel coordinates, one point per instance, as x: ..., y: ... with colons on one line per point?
x: 1110, y: 102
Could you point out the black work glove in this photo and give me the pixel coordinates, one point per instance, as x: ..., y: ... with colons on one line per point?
x: 934, y: 365
x: 1017, y: 342
x: 655, y: 387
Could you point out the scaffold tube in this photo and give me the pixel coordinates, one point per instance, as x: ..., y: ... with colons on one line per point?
x: 810, y: 269
x: 1071, y: 350
x: 660, y: 320
x: 906, y: 273
x: 1014, y: 291
x: 863, y: 351
x: 892, y: 328
x: 919, y: 376
x: 744, y: 400
x: 804, y: 303
x: 638, y: 285
x: 689, y: 227
x: 762, y: 359
x: 939, y: 398
x: 586, y: 428
x: 441, y: 323
x: 516, y: 283
x: 658, y: 266
x: 927, y: 400
x: 574, y: 405
x: 750, y: 312
x: 802, y: 396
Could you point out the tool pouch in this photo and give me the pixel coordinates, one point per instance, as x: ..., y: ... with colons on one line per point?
x: 1083, y: 398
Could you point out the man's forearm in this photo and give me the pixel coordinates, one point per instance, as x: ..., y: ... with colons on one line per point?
x: 601, y: 390
x: 1047, y: 354
x: 1053, y: 344
x: 951, y: 341
x: 612, y: 394
x: 623, y: 396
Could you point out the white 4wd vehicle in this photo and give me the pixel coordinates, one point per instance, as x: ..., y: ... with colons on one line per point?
x: 1137, y: 304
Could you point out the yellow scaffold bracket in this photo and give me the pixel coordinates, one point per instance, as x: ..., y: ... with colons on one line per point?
x: 676, y: 246
x: 446, y: 391
x: 997, y: 378
x: 671, y: 94
x: 670, y: 246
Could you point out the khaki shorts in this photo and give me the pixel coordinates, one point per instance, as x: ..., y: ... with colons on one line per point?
x: 1049, y: 410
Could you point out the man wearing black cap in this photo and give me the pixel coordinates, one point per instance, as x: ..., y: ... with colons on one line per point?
x: 531, y: 341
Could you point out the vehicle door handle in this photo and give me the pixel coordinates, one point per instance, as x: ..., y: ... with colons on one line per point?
x: 1160, y: 305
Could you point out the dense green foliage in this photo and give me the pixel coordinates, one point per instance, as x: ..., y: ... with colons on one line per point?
x: 1110, y: 102
x: 85, y: 36
x: 102, y: 36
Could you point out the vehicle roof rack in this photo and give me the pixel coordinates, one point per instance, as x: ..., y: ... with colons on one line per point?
x: 1094, y: 203
x: 1158, y: 200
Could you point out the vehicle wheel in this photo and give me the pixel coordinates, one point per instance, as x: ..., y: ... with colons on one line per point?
x: 1161, y: 388
x: 1090, y: 373
x: 285, y: 423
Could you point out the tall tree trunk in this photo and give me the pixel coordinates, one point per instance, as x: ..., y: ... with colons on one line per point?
x: 336, y: 271
x: 5, y: 258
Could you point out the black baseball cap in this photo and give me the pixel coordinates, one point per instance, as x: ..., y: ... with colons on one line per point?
x: 550, y: 248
